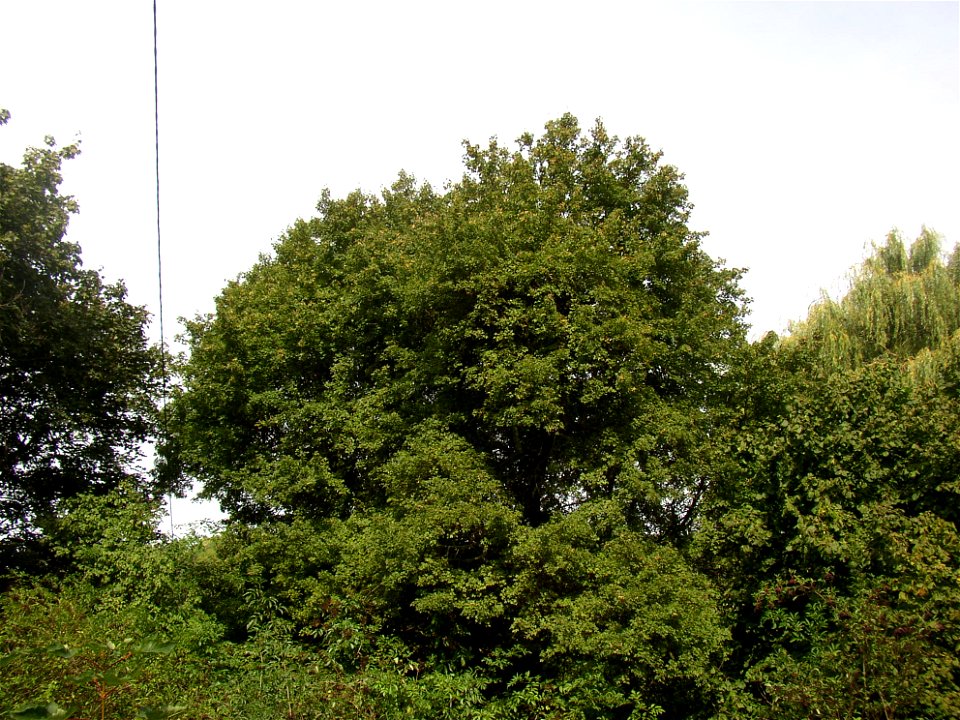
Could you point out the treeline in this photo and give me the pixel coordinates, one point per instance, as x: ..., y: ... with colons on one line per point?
x: 497, y: 451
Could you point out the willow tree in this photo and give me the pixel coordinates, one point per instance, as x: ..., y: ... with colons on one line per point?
x: 899, y: 303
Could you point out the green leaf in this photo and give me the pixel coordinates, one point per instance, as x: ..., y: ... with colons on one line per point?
x: 155, y: 647
x: 162, y: 712
x: 35, y: 712
x: 60, y: 650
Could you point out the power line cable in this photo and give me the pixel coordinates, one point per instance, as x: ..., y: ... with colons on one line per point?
x: 163, y: 346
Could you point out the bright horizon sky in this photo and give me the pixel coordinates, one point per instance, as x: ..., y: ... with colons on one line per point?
x: 805, y: 131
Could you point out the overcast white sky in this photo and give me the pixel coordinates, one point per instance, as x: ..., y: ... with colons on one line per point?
x: 806, y: 130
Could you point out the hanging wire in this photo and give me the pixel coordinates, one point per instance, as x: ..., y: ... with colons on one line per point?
x: 163, y: 347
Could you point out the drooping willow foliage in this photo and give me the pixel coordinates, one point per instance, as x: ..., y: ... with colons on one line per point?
x: 901, y: 303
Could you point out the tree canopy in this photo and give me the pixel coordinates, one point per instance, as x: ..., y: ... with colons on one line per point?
x: 78, y: 382
x: 552, y: 310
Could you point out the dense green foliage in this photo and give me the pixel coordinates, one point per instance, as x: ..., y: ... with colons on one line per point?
x: 457, y: 390
x: 551, y: 312
x: 502, y: 451
x: 834, y: 534
x: 78, y: 382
